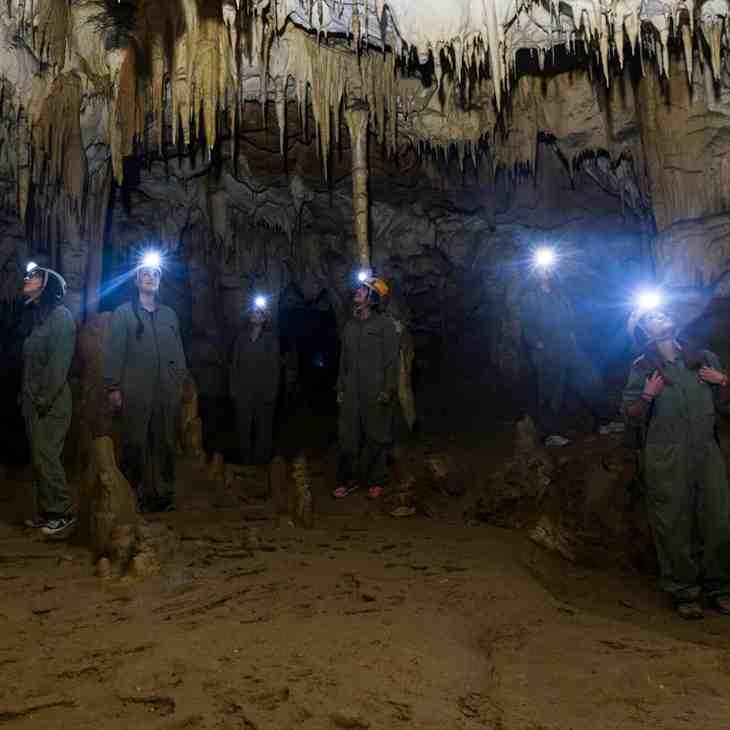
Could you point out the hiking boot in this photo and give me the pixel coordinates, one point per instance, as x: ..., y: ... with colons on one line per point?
x: 60, y: 528
x: 35, y: 523
x: 722, y: 604
x: 690, y: 610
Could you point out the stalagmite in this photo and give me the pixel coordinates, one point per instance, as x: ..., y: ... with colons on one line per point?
x: 357, y: 123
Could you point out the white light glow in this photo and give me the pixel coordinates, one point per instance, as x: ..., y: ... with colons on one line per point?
x: 260, y: 302
x: 545, y: 258
x: 362, y: 276
x: 30, y: 267
x: 152, y: 260
x: 648, y: 300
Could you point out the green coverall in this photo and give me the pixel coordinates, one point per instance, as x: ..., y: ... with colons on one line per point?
x: 686, y: 481
x: 549, y: 318
x: 254, y: 383
x: 150, y: 372
x: 369, y: 367
x: 46, y: 398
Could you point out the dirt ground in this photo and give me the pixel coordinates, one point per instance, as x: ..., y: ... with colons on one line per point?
x: 366, y: 621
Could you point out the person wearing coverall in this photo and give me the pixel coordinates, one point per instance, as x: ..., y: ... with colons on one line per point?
x: 144, y: 373
x: 367, y: 390
x: 672, y: 395
x: 46, y: 397
x: 548, y: 326
x: 254, y: 383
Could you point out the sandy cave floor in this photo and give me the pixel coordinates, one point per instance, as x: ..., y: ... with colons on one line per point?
x: 364, y: 621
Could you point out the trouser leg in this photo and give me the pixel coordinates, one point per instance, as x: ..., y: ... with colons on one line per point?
x: 375, y: 458
x: 349, y: 440
x: 162, y: 451
x: 264, y: 432
x: 132, y: 454
x: 378, y: 433
x: 244, y: 413
x: 713, y: 517
x: 47, y: 436
x: 671, y: 504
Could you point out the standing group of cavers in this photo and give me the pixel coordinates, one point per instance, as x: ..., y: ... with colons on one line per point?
x: 669, y: 402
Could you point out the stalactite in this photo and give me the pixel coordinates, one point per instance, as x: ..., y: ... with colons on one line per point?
x: 59, y: 156
x: 53, y: 30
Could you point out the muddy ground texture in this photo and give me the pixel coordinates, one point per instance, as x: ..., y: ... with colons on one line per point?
x: 365, y: 621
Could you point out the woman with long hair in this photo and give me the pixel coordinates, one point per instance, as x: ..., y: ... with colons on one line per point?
x: 144, y: 373
x: 46, y: 397
x: 672, y: 395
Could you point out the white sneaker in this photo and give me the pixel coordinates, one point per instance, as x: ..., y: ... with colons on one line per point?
x: 556, y: 440
x: 59, y: 529
x: 612, y: 427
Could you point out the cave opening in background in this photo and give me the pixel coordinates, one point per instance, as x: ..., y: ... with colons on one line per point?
x: 310, y: 349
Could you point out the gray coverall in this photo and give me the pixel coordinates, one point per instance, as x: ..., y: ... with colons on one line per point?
x: 369, y: 366
x: 254, y: 383
x: 686, y: 481
x: 46, y: 397
x: 149, y: 372
x: 562, y: 363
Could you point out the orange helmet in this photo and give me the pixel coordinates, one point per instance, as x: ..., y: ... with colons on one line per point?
x: 377, y: 285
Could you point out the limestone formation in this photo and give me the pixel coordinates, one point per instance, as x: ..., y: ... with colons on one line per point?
x: 523, y: 482
x: 191, y: 426
x: 291, y: 491
x: 302, y: 507
x: 121, y: 542
x: 273, y: 144
x: 109, y: 505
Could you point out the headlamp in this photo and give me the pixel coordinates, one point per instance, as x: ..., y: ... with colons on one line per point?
x: 32, y: 265
x: 260, y: 302
x: 544, y: 258
x: 151, y: 260
x: 648, y: 301
x: 363, y: 276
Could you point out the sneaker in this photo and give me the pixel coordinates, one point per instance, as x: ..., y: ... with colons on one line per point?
x: 690, y: 610
x: 35, y: 523
x: 59, y: 529
x: 612, y: 427
x: 345, y: 490
x: 722, y: 604
x: 556, y: 440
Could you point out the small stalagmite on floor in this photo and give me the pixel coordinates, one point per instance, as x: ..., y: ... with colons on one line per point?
x: 121, y: 542
x: 291, y: 491
x: 191, y: 425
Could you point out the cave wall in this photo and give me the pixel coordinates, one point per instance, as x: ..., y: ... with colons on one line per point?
x: 221, y: 136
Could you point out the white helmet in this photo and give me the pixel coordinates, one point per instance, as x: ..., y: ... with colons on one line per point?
x: 33, y: 267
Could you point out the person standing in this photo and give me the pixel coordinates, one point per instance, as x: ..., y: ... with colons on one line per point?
x: 672, y: 395
x: 254, y: 382
x: 548, y: 326
x: 46, y: 396
x: 144, y: 374
x: 367, y: 389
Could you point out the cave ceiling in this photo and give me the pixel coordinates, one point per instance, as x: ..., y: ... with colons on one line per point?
x: 629, y: 100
